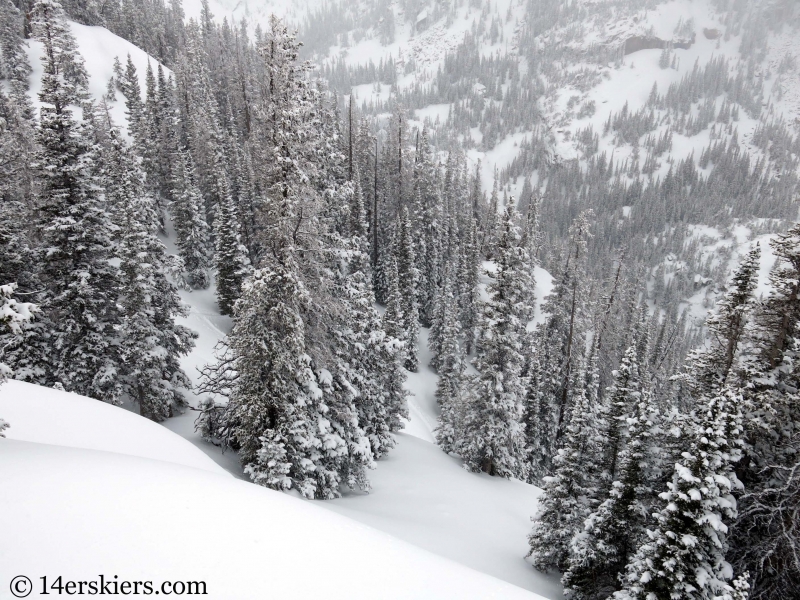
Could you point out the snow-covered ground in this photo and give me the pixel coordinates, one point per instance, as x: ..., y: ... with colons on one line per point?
x: 151, y: 502
x: 420, y: 494
x: 89, y: 489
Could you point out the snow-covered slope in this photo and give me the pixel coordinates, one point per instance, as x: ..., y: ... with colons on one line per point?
x: 46, y: 416
x: 80, y: 513
x: 423, y: 496
x: 98, y: 47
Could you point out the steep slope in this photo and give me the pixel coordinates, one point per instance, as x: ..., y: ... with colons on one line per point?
x: 420, y: 495
x: 140, y: 519
x: 42, y: 415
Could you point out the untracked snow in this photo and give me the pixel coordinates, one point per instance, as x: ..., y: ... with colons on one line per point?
x: 79, y: 513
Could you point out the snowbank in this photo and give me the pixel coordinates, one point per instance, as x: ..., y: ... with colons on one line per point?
x: 46, y: 416
x: 80, y: 513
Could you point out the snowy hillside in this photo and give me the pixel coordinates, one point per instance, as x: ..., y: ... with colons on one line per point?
x: 80, y: 476
x: 423, y: 299
x: 419, y: 494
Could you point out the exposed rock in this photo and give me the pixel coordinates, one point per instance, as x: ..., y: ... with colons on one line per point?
x: 641, y: 42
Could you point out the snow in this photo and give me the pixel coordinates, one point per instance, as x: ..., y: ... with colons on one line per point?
x: 423, y: 496
x: 79, y: 513
x: 46, y: 416
x: 98, y: 47
x: 79, y: 473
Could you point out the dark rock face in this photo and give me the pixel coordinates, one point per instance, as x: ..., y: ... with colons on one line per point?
x: 640, y: 42
x: 711, y: 34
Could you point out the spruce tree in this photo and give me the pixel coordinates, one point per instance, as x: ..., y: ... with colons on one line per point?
x: 393, y: 321
x: 684, y: 556
x: 132, y: 92
x: 375, y: 358
x: 564, y: 503
x: 151, y: 342
x: 557, y: 344
x: 622, y: 397
x: 450, y: 365
x: 408, y: 277
x: 493, y: 438
x: 275, y: 400
x: 614, y: 530
x: 230, y: 256
x: 75, y: 343
x: 468, y: 292
x: 708, y: 367
x: 765, y: 536
x: 188, y: 218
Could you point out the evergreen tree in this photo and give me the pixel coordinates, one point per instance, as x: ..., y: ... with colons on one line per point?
x: 684, y: 557
x: 376, y: 359
x: 132, y: 92
x: 13, y: 316
x: 274, y: 403
x: 74, y: 343
x: 765, y: 536
x: 393, y: 321
x: 622, y: 398
x: 493, y: 438
x: 708, y: 367
x: 151, y: 342
x: 230, y: 257
x: 450, y: 365
x: 565, y: 500
x: 408, y: 276
x: 469, y: 295
x: 615, y: 529
x: 557, y: 345
x: 191, y: 229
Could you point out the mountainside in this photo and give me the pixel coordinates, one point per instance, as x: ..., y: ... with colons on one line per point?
x: 89, y: 489
x: 471, y: 298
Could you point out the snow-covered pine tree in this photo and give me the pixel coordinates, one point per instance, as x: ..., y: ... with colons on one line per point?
x: 450, y: 365
x: 684, y: 556
x: 274, y: 401
x: 708, y: 367
x: 427, y: 204
x: 490, y: 232
x: 393, y: 321
x: 565, y: 501
x: 408, y: 279
x: 13, y: 316
x: 150, y: 340
x: 468, y: 292
x: 188, y: 218
x: 132, y: 92
x: 765, y: 536
x: 375, y: 359
x: 14, y: 65
x: 621, y: 399
x: 230, y: 256
x: 611, y: 534
x: 557, y: 344
x: 75, y: 342
x: 493, y: 437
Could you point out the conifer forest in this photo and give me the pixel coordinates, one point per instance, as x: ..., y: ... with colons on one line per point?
x: 460, y: 298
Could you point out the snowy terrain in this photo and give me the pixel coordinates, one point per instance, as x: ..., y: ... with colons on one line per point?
x: 89, y: 488
x: 80, y: 470
x: 419, y: 494
x: 129, y: 465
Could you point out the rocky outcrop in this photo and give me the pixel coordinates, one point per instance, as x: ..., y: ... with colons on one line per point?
x: 641, y: 42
